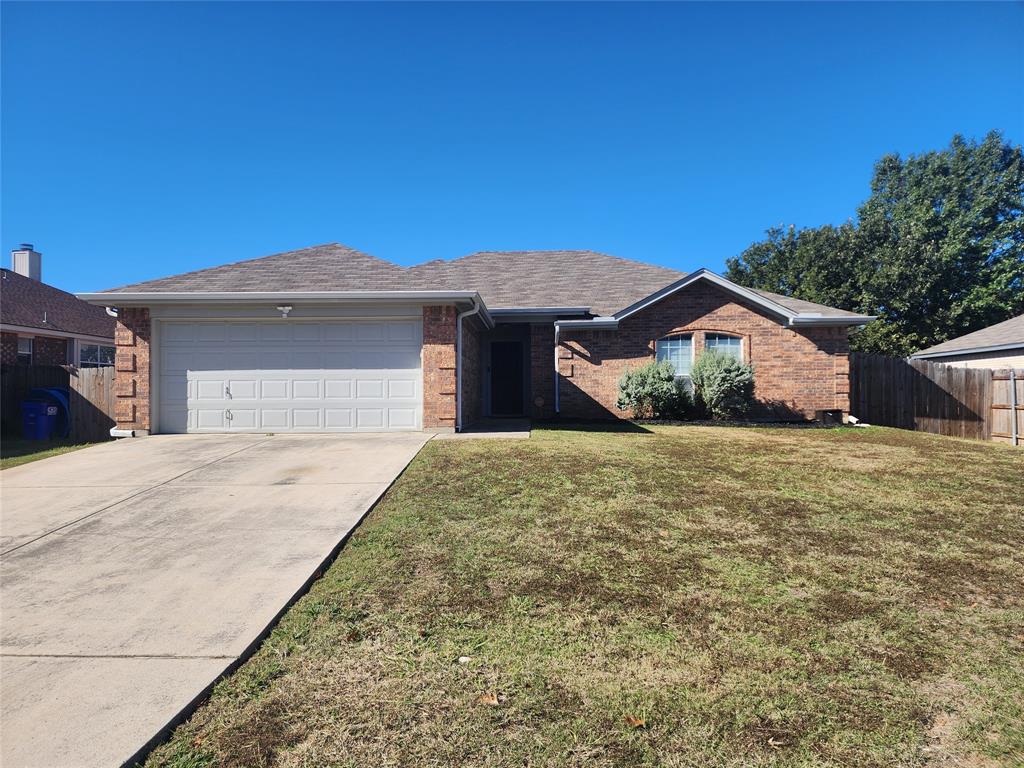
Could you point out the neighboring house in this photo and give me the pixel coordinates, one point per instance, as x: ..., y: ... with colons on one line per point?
x: 43, y: 325
x: 330, y: 339
x: 998, y: 346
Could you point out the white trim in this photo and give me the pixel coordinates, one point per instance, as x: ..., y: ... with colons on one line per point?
x: 968, y: 351
x: 144, y: 298
x: 25, y: 330
x: 540, y: 310
x: 595, y: 324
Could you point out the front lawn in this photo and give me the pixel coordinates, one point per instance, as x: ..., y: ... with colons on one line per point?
x: 684, y: 597
x: 14, y: 452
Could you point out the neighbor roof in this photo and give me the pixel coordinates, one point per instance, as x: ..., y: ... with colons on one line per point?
x: 504, y: 279
x: 28, y: 303
x: 1008, y: 334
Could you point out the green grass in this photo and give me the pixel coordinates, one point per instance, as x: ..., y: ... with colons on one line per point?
x: 756, y: 597
x: 14, y: 452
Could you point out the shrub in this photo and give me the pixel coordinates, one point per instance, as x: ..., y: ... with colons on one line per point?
x: 722, y: 384
x: 652, y: 392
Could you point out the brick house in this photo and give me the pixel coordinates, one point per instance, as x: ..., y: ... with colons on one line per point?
x: 330, y: 339
x: 43, y: 325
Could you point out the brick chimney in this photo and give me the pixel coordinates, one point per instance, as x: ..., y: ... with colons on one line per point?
x: 25, y: 260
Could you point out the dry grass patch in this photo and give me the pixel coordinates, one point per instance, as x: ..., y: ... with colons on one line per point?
x: 688, y: 597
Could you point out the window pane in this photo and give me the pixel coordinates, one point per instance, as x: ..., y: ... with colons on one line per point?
x: 106, y: 356
x: 89, y: 354
x: 24, y: 351
x: 678, y: 350
x: 728, y: 345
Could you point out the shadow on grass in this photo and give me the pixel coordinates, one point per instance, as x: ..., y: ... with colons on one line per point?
x: 569, y: 425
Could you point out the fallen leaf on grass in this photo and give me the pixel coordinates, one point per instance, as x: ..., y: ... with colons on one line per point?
x: 773, y: 742
x: 490, y: 699
x: 635, y: 722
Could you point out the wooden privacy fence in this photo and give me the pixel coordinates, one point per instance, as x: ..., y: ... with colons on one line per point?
x: 978, y: 403
x: 90, y: 395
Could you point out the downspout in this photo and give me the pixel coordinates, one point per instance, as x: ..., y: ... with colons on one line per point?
x: 458, y: 361
x: 557, y: 405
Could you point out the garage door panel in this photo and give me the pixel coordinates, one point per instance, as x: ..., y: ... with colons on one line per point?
x: 210, y: 389
x: 274, y: 332
x: 402, y: 331
x: 369, y: 418
x: 211, y: 332
x: 209, y: 418
x: 401, y: 418
x: 399, y: 390
x: 306, y: 332
x: 400, y: 359
x: 370, y: 332
x: 306, y: 359
x: 306, y: 418
x: 243, y: 332
x: 306, y: 389
x: 338, y: 418
x: 243, y: 389
x: 337, y: 389
x: 247, y: 376
x: 242, y: 418
x: 338, y: 332
x: 274, y: 389
x: 369, y: 389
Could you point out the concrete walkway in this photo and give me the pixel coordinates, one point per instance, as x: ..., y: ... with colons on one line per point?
x: 133, y: 574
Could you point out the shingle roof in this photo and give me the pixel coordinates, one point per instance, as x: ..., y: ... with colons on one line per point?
x: 329, y: 267
x: 32, y: 304
x: 799, y: 305
x: 603, y: 283
x: 504, y: 279
x: 1007, y: 332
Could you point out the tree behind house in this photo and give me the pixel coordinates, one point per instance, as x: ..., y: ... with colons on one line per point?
x: 937, y: 249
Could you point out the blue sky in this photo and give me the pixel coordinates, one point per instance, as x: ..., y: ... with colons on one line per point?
x: 144, y: 139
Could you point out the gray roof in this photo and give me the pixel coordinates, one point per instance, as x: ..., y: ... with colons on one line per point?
x: 504, y: 279
x: 1008, y: 333
x: 33, y: 304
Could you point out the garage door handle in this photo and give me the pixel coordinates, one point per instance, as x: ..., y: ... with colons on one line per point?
x: 228, y: 416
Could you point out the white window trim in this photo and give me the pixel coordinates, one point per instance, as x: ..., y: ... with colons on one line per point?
x: 31, y: 349
x: 736, y: 336
x: 686, y: 377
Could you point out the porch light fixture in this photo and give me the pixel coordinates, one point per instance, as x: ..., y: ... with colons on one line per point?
x: 284, y: 309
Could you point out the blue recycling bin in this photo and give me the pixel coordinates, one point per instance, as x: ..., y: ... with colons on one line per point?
x: 37, y: 419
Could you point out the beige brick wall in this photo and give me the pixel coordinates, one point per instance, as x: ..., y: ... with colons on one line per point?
x: 796, y: 372
x: 131, y: 369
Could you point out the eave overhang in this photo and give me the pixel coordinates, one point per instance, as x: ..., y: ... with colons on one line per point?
x: 969, y: 351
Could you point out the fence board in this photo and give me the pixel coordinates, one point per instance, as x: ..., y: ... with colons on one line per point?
x: 90, y: 394
x: 931, y: 397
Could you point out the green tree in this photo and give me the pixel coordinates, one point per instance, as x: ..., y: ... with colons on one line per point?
x: 937, y: 249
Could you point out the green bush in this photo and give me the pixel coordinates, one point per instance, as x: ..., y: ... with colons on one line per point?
x: 722, y: 385
x: 652, y: 392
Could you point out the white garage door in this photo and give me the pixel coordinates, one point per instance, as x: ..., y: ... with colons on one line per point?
x: 290, y: 376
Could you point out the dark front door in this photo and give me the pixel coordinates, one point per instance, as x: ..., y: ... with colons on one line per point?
x: 506, y: 378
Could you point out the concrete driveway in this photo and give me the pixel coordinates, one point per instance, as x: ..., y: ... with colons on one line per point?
x: 133, y: 574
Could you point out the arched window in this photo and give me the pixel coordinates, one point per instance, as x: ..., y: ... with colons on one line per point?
x: 727, y: 345
x: 678, y: 350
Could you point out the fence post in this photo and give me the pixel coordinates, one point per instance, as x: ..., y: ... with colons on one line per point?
x: 1014, y: 437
